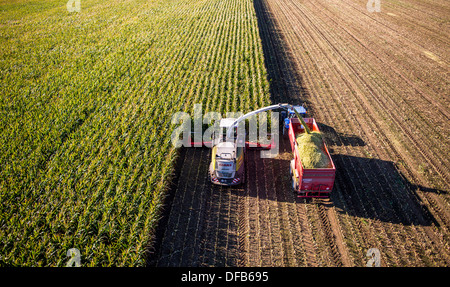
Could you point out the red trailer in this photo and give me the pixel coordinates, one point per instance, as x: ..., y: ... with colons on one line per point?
x: 307, y: 183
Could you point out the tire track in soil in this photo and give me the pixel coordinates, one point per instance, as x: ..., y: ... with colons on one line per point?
x: 289, y: 240
x: 253, y: 211
x: 219, y: 245
x: 201, y: 219
x: 243, y: 228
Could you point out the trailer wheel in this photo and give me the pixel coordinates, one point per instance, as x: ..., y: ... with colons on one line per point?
x: 294, y: 184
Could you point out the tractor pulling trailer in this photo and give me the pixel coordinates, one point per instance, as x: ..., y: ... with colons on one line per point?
x: 227, y: 161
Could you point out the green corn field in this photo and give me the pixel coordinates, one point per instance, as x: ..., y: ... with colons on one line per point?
x: 86, y: 105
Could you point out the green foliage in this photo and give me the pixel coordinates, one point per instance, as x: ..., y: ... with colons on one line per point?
x: 85, y: 109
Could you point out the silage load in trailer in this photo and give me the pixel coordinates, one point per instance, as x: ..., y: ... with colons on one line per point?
x: 311, y: 150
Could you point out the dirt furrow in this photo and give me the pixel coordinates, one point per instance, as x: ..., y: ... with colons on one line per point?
x: 292, y: 254
x: 254, y: 245
x: 244, y: 224
x: 275, y: 230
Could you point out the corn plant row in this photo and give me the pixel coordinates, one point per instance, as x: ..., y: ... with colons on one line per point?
x: 87, y: 98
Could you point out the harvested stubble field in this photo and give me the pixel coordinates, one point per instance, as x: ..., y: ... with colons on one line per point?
x: 378, y: 85
x: 86, y: 158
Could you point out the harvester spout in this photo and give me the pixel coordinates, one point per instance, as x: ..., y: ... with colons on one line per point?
x: 283, y: 106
